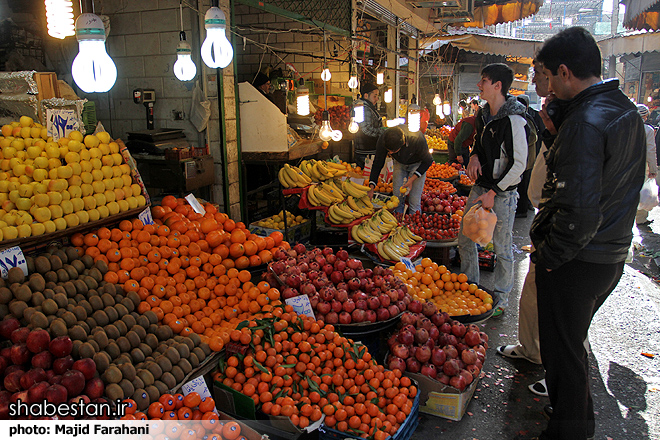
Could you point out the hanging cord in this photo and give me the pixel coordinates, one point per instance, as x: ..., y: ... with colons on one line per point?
x: 181, y: 14
x: 325, y: 66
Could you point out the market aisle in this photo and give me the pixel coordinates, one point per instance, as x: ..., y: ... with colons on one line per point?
x: 625, y: 384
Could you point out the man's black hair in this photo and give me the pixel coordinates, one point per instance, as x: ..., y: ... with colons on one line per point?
x: 474, y: 102
x: 394, y: 138
x: 499, y: 72
x: 574, y: 47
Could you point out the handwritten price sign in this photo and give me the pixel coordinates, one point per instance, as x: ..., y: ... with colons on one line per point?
x: 61, y: 122
x: 301, y: 305
x: 12, y: 257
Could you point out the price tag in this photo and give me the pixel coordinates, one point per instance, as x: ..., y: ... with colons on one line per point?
x: 301, y: 305
x: 145, y: 217
x: 61, y: 122
x: 196, y: 206
x: 199, y: 386
x: 409, y: 264
x: 12, y: 257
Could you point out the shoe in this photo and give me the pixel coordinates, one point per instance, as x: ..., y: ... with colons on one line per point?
x: 510, y: 352
x: 547, y: 411
x: 539, y: 388
x: 499, y: 311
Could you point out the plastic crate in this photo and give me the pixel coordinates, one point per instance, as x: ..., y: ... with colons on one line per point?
x: 178, y: 153
x: 405, y: 431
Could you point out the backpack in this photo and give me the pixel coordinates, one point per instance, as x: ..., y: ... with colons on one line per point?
x: 532, y: 137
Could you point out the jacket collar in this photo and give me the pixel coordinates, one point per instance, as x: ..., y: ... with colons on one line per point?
x: 510, y: 107
x: 600, y: 87
x: 369, y: 104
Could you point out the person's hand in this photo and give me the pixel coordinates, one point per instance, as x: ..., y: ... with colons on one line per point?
x: 474, y: 168
x: 487, y: 199
x: 370, y: 193
x: 549, y: 125
x: 652, y: 175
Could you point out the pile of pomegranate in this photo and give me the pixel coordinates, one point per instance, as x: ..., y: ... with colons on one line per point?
x: 36, y: 368
x: 431, y: 343
x: 340, y: 290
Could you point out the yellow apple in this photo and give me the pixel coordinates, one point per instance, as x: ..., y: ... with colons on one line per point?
x: 72, y: 157
x: 106, y: 160
x: 52, y: 150
x: 119, y: 194
x: 66, y: 195
x: 84, y: 155
x: 10, y: 217
x: 14, y: 195
x: 128, y: 191
x: 96, y: 163
x: 55, y: 211
x: 60, y: 224
x: 103, y: 137
x: 42, y: 214
x: 64, y: 172
x: 97, y: 175
x: 24, y: 204
x: 24, y: 218
x: 109, y: 184
x: 86, y: 177
x: 54, y: 163
x: 105, y: 149
x: 75, y: 191
x: 116, y: 171
x: 141, y: 200
x: 110, y: 196
x: 55, y: 197
x: 78, y: 204
x: 40, y: 188
x: 35, y: 132
x: 24, y: 231
x: 91, y: 141
x: 38, y: 229
x: 52, y: 174
x: 50, y: 227
x: 19, y: 144
x: 67, y: 207
x: 75, y: 146
x: 123, y: 205
x: 89, y: 202
x: 76, y: 136
x: 103, y: 211
x: 83, y: 217
x: 99, y: 187
x: 107, y: 172
x: 25, y: 132
x: 87, y: 189
x: 25, y: 190
x: 6, y: 130
x: 9, y: 233
x: 126, y: 180
x: 114, y: 147
x: 74, y: 180
x: 77, y: 168
x: 95, y: 153
x: 132, y: 202
x: 100, y: 200
x: 63, y: 150
x: 113, y: 207
x: 85, y: 166
x: 44, y: 133
x: 4, y: 186
x: 41, y: 200
x: 8, y: 153
x: 94, y: 215
x: 72, y: 220
x: 25, y: 121
x: 41, y: 162
x: 33, y: 152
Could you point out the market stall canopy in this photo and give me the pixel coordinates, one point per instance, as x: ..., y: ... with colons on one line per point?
x: 642, y: 14
x: 491, y: 12
x: 490, y: 44
x: 636, y: 42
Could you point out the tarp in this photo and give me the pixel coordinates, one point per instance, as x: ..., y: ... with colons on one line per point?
x: 631, y: 43
x: 642, y: 14
x: 502, y: 12
x: 492, y: 44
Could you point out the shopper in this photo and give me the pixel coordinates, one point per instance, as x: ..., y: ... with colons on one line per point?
x: 651, y: 160
x: 364, y: 143
x: 460, y: 139
x: 532, y: 138
x: 497, y: 161
x: 582, y: 231
x: 411, y: 157
x: 474, y: 105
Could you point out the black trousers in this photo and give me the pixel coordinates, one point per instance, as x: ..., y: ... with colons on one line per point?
x: 568, y: 298
x: 523, y: 200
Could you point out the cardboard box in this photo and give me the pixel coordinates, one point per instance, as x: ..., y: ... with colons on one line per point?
x: 442, y: 400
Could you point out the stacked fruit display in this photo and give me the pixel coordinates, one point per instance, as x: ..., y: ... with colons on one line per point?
x: 340, y: 116
x: 463, y: 179
x: 430, y: 343
x: 443, y: 202
x: 302, y: 369
x: 436, y: 143
x: 47, y: 186
x: 320, y: 170
x: 443, y: 171
x: 372, y: 229
x: 276, y: 221
x: 292, y: 177
x: 441, y: 132
x: 383, y: 187
x: 431, y: 185
x: 450, y: 292
x: 339, y: 288
x: 178, y: 407
x: 435, y: 226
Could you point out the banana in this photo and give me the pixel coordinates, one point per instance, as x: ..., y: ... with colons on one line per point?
x: 367, y: 202
x: 283, y: 181
x: 368, y: 236
x: 293, y: 176
x: 384, y: 252
x: 341, y: 212
x: 335, y: 165
x: 392, y: 250
x: 340, y: 173
x: 287, y: 178
x: 388, y: 217
x: 315, y: 172
x: 330, y: 192
x: 332, y: 184
x: 410, y: 234
x: 323, y: 170
x: 313, y: 200
x: 304, y: 166
x: 350, y: 189
x: 351, y: 202
x: 355, y: 235
x: 305, y: 178
x: 322, y: 196
x: 334, y: 218
x: 361, y: 187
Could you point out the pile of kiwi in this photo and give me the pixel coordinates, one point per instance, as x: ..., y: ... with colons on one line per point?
x: 66, y: 294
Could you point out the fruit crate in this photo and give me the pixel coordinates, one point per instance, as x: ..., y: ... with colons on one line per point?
x: 178, y: 153
x: 405, y: 431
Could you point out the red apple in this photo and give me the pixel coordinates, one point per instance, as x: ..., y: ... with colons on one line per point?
x: 74, y: 382
x: 94, y: 388
x: 7, y: 326
x: 20, y: 354
x: 38, y: 341
x: 12, y: 381
x: 56, y: 394
x: 19, y: 336
x: 37, y: 392
x: 86, y: 366
x: 61, y: 365
x: 42, y: 360
x: 32, y: 377
x: 61, y: 346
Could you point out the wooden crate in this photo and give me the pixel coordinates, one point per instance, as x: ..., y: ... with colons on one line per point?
x: 47, y: 85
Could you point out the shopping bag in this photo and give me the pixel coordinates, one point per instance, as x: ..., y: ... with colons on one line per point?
x: 385, y: 174
x: 479, y: 224
x: 648, y: 196
x: 200, y: 109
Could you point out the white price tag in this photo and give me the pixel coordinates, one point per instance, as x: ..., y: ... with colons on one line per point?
x: 301, y: 305
x: 12, y: 257
x: 145, y: 217
x: 409, y: 264
x: 196, y: 206
x: 60, y: 122
x: 199, y: 386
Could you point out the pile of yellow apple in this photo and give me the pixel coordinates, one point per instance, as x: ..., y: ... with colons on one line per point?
x: 47, y: 185
x: 436, y: 143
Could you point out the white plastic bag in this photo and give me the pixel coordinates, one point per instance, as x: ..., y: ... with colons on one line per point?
x: 479, y: 224
x: 200, y: 110
x: 648, y: 196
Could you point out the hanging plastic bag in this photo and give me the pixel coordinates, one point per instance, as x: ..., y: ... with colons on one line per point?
x: 479, y: 224
x: 200, y: 110
x: 648, y: 196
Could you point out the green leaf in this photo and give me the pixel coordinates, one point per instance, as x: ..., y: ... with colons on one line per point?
x: 222, y: 365
x: 374, y: 400
x: 289, y: 365
x: 261, y: 367
x: 242, y: 325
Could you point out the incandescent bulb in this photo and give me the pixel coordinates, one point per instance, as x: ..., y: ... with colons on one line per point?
x: 380, y: 78
x: 93, y: 70
x: 216, y: 49
x: 326, y: 75
x: 436, y: 99
x: 337, y: 135
x: 353, y: 82
x: 387, y: 96
x: 59, y: 15
x: 649, y: 99
x: 353, y: 126
x: 414, y: 118
x: 302, y: 101
x: 326, y: 131
x: 184, y: 67
x: 359, y: 112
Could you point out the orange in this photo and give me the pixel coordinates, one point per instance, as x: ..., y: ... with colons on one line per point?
x: 238, y: 236
x: 231, y: 430
x: 236, y: 250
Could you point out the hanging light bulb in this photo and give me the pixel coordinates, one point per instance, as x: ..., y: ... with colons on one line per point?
x: 436, y: 99
x: 92, y: 69
x: 216, y: 49
x: 414, y: 118
x: 184, y: 67
x: 438, y: 110
x: 446, y: 108
x: 326, y: 75
x: 359, y: 112
x: 353, y: 126
x: 326, y: 130
x: 59, y: 16
x: 302, y: 99
x: 337, y: 135
x: 380, y: 78
x: 387, y: 96
x: 353, y: 82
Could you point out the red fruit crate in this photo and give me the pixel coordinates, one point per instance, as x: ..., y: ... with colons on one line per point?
x: 233, y: 348
x: 178, y: 153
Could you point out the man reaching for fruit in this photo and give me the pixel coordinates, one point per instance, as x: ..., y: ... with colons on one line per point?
x: 411, y: 157
x: 497, y: 161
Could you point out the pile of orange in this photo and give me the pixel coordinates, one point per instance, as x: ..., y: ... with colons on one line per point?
x: 465, y: 180
x: 449, y: 291
x: 303, y: 369
x: 382, y: 187
x: 442, y: 171
x: 438, y: 185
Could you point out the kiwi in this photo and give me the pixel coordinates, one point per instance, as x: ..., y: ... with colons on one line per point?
x: 23, y: 293
x: 112, y: 375
x: 58, y: 288
x: 137, y: 383
x: 70, y: 288
x: 58, y: 328
x: 185, y: 366
x: 101, y: 318
x: 194, y: 361
x: 111, y: 313
x: 29, y: 262
x: 142, y: 399
x: 152, y: 328
x: 108, y: 300
x: 153, y: 318
x: 51, y: 277
x: 128, y: 304
x: 133, y: 296
x: 151, y: 340
x: 77, y: 333
x: 62, y: 255
x: 80, y: 313
x: 178, y: 374
x: 73, y: 273
x: 183, y: 350
x: 87, y: 350
x: 111, y: 331
x: 194, y: 337
x: 137, y: 355
x: 114, y: 391
x: 102, y: 361
x: 87, y: 306
x: 78, y: 298
x: 84, y: 326
x: 145, y: 349
x: 38, y: 320
x: 101, y: 338
x: 27, y: 313
x: 155, y: 370
x: 110, y: 289
x: 124, y: 358
x: 168, y: 379
x: 4, y: 311
x: 121, y: 310
x: 15, y: 275
x: 62, y: 275
x: 87, y: 260
x: 6, y: 295
x: 94, y: 278
x: 78, y: 265
x: 143, y: 320
x: 133, y: 338
x: 127, y: 387
x: 123, y: 344
x: 164, y: 363
x: 61, y: 299
x: 51, y: 318
x: 164, y: 332
x: 42, y: 264
x: 122, y: 328
x: 153, y: 392
x: 129, y: 321
x: 145, y: 376
x: 71, y: 254
x: 127, y: 371
x: 70, y: 319
x: 48, y: 292
x: 173, y: 355
x: 91, y: 322
x: 113, y: 350
x: 37, y: 282
x: 75, y: 349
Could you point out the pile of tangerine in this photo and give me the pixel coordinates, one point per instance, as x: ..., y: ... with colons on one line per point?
x: 449, y: 291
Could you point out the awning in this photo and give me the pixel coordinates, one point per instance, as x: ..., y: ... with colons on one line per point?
x: 642, y: 14
x: 632, y: 43
x: 489, y: 12
x: 491, y: 44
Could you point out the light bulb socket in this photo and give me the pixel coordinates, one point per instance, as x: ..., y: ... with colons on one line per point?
x: 183, y: 48
x: 215, y: 18
x: 89, y: 27
x: 325, y: 116
x: 182, y: 36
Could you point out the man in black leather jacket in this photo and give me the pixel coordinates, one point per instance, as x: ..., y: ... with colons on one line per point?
x: 583, y: 229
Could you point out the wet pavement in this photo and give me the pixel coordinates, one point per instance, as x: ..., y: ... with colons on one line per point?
x: 625, y: 384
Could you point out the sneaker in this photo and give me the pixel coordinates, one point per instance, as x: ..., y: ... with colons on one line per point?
x: 539, y: 388
x: 499, y: 311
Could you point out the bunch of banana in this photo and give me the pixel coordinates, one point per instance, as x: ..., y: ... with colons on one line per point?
x: 353, y: 189
x: 403, y: 235
x: 342, y: 214
x: 293, y: 177
x: 362, y: 205
x: 366, y: 232
x: 319, y: 170
x: 324, y: 194
x: 388, y: 249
